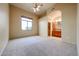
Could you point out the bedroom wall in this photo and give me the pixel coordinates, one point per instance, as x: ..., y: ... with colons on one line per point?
x: 15, y: 23
x: 78, y: 28
x: 43, y: 26
x: 4, y: 25
x: 69, y: 12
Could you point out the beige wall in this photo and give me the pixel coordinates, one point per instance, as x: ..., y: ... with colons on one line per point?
x: 4, y: 25
x: 69, y: 12
x: 78, y: 28
x: 15, y: 23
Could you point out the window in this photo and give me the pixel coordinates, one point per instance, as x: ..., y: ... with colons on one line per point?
x: 26, y: 23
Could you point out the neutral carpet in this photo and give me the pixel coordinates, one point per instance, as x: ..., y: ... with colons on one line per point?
x: 39, y: 46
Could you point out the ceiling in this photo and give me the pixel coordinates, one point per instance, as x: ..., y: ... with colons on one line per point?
x: 29, y: 7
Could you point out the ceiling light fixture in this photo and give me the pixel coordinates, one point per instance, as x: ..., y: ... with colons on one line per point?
x: 36, y: 6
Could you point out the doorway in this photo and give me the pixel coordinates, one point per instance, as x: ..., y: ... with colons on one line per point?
x: 55, y: 24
